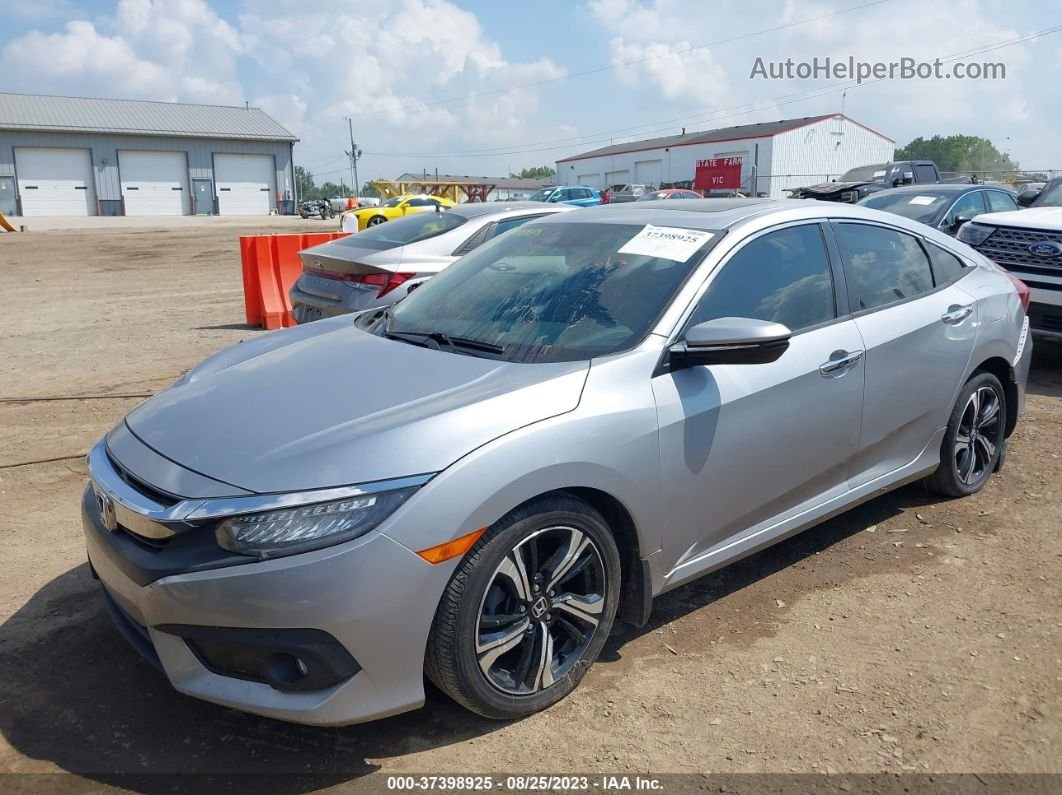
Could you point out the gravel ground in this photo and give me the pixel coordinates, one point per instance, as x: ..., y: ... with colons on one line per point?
x: 907, y: 635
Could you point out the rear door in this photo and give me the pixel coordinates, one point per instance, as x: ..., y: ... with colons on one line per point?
x: 919, y: 330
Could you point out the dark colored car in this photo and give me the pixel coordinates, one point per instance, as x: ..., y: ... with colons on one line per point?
x: 858, y: 183
x: 944, y: 207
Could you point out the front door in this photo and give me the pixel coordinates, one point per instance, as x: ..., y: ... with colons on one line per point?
x: 919, y: 326
x: 743, y: 447
x: 203, y: 196
x: 8, y: 205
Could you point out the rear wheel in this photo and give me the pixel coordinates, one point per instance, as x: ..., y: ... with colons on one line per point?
x: 528, y: 610
x: 376, y: 220
x: 974, y: 441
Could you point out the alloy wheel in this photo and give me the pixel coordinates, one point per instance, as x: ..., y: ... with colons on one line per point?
x: 978, y: 436
x: 541, y: 609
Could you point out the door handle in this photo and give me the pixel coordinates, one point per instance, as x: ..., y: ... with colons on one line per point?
x: 841, y: 362
x: 956, y: 314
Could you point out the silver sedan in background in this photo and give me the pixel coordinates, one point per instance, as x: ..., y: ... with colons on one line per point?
x: 576, y: 417
x: 380, y: 265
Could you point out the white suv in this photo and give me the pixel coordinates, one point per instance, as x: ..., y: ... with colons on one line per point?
x: 1028, y: 243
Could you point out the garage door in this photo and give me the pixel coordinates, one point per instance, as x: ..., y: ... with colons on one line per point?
x: 617, y: 178
x: 590, y: 180
x: 648, y: 172
x: 55, y: 181
x: 245, y: 184
x: 154, y: 183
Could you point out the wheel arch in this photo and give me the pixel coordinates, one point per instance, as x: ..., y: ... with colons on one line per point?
x: 1001, y: 369
x: 635, y: 578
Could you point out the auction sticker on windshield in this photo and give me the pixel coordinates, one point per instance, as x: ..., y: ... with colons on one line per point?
x: 922, y: 200
x: 666, y: 242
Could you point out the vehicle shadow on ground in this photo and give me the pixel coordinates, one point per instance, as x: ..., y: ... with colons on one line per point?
x: 74, y: 694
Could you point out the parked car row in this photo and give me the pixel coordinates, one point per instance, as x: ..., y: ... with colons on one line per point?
x: 577, y: 415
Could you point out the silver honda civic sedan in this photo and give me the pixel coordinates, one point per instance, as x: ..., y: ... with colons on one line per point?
x: 382, y: 264
x: 473, y: 484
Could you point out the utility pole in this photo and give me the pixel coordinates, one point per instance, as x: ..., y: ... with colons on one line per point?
x: 355, y: 155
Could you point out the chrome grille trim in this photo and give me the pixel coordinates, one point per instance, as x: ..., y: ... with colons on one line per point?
x: 140, y: 514
x: 1009, y: 246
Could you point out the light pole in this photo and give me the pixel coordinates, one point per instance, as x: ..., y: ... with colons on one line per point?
x: 355, y: 155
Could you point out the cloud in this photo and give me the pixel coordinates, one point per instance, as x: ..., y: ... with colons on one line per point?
x: 714, y: 81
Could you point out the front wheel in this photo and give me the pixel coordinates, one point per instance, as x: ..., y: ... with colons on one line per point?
x: 528, y: 610
x: 974, y: 441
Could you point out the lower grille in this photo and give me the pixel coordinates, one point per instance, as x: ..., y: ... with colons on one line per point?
x: 1008, y: 246
x: 1045, y: 318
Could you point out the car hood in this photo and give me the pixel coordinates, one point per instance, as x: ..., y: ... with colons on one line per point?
x: 1046, y: 218
x: 326, y: 405
x: 827, y: 188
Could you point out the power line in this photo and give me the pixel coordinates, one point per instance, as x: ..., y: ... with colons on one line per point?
x: 740, y: 110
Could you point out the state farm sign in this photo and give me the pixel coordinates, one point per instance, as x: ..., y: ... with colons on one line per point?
x: 719, y: 173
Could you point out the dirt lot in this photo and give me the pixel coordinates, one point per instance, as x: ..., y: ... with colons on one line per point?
x: 909, y: 634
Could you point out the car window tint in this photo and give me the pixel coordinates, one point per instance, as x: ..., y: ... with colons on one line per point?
x: 1000, y: 202
x: 925, y: 173
x: 782, y: 276
x: 887, y: 265
x: 476, y: 240
x: 512, y: 223
x: 966, y: 207
x: 947, y: 268
x: 422, y: 203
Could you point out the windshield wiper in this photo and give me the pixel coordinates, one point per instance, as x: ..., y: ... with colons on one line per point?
x: 440, y: 339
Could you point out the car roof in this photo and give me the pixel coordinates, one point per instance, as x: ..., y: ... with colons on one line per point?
x: 718, y: 214
x: 942, y: 189
x: 476, y: 209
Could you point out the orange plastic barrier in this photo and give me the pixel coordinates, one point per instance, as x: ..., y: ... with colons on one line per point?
x: 271, y: 265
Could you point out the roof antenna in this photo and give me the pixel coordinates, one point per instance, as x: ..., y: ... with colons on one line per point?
x: 246, y: 105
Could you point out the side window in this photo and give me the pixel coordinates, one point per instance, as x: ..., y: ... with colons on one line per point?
x: 782, y: 276
x: 584, y: 193
x: 565, y: 195
x: 512, y: 223
x: 475, y: 241
x: 925, y: 173
x: 421, y: 203
x: 947, y: 268
x: 887, y: 266
x: 1000, y: 202
x: 966, y: 207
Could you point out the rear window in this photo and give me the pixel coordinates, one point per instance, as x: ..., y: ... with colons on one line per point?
x: 403, y: 231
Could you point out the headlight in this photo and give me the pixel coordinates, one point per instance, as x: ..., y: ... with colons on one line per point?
x: 307, y: 527
x: 974, y: 234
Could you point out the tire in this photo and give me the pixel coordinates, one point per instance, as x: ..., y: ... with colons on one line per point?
x: 463, y: 659
x: 303, y: 214
x: 376, y: 220
x: 967, y: 460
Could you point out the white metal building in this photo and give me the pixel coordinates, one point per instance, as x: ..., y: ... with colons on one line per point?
x: 774, y: 155
x: 78, y: 156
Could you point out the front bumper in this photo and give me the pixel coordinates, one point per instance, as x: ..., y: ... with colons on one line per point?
x: 371, y: 595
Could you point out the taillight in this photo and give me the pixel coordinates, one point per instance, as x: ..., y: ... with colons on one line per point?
x: 385, y: 281
x: 1024, y: 293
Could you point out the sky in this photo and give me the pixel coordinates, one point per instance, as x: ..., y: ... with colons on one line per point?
x: 485, y: 88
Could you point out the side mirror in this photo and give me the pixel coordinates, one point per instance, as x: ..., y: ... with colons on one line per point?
x: 1027, y: 197
x: 959, y: 220
x: 731, y: 340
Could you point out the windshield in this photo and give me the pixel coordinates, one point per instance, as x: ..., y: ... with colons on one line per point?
x: 541, y: 195
x: 397, y: 200
x: 554, y: 292
x: 1051, y: 197
x: 866, y: 173
x: 401, y: 232
x: 922, y: 207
